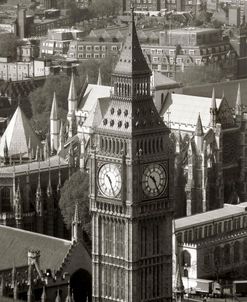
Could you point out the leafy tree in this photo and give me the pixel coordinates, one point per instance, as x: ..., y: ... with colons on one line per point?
x: 75, y: 190
x: 8, y: 44
x: 41, y: 100
x: 105, y: 7
x: 201, y: 74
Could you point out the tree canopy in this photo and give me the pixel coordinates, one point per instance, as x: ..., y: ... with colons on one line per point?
x: 200, y: 74
x: 8, y: 44
x: 105, y: 7
x: 41, y: 98
x: 75, y: 190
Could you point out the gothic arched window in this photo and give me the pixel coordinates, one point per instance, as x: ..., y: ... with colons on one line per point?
x: 236, y: 252
x: 217, y: 256
x: 186, y: 259
x: 226, y: 254
x: 5, y: 200
x: 245, y: 249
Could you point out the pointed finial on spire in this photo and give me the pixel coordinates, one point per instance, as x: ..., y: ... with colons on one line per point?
x: 223, y: 94
x: 213, y: 103
x: 72, y: 90
x: 54, y: 108
x: 6, y: 152
x: 68, y: 298
x: 58, y: 298
x: 199, y: 129
x: 99, y: 82
x: 213, y: 110
x: 238, y: 108
x: 43, y: 297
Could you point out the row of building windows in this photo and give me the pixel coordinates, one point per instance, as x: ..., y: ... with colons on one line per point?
x: 150, y: 240
x: 89, y: 55
x: 172, y: 52
x: 151, y: 282
x: 213, y: 229
x: 150, y: 145
x: 96, y: 48
x: 113, y: 145
x: 114, y: 238
x: 113, y: 280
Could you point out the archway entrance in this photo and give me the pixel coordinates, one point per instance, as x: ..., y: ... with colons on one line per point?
x: 81, y: 285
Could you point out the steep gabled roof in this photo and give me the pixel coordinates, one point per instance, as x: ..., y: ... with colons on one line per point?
x: 18, y: 134
x: 131, y: 60
x: 15, y: 244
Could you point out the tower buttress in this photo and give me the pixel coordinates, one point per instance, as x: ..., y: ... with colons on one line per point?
x: 76, y: 224
x: 99, y: 81
x: 199, y: 134
x: 213, y: 110
x: 72, y: 99
x: 54, y: 124
x: 18, y: 208
x: 39, y: 202
x: 50, y: 206
x: 131, y: 188
x: 238, y: 107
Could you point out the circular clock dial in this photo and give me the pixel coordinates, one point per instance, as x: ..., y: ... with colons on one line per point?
x: 154, y: 180
x: 109, y: 180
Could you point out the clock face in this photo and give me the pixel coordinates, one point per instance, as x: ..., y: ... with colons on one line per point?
x: 109, y: 180
x: 154, y: 180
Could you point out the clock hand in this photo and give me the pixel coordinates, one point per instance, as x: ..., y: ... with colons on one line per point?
x: 109, y: 179
x: 154, y: 181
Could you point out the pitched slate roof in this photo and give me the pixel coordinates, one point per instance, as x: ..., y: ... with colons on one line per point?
x: 35, y: 166
x: 16, y: 243
x: 92, y: 94
x: 160, y: 80
x: 182, y: 110
x: 131, y: 60
x: 210, y: 216
x: 18, y: 134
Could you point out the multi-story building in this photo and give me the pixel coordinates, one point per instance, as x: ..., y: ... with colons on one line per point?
x: 19, y: 70
x: 84, y: 50
x: 157, y: 5
x: 58, y: 41
x: 212, y: 245
x: 238, y: 41
x: 37, y: 26
x: 181, y: 48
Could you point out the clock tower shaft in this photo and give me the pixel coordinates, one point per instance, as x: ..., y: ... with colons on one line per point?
x: 131, y: 183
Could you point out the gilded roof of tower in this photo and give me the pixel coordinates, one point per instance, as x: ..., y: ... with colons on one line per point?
x: 132, y: 60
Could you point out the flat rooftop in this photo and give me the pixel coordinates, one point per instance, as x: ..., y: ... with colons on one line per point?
x: 191, y: 30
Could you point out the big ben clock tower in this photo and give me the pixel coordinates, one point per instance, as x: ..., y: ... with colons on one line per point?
x: 131, y: 186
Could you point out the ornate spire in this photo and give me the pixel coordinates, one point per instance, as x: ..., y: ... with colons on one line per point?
x: 213, y: 110
x: 58, y: 298
x: 54, y: 108
x: 43, y: 297
x: 238, y: 107
x: 68, y: 298
x: 99, y: 82
x: 49, y: 187
x: 199, y: 129
x: 18, y: 206
x: 61, y: 139
x: 131, y: 60
x: 39, y: 201
x: 72, y: 90
x: 6, y: 153
x: 76, y: 224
